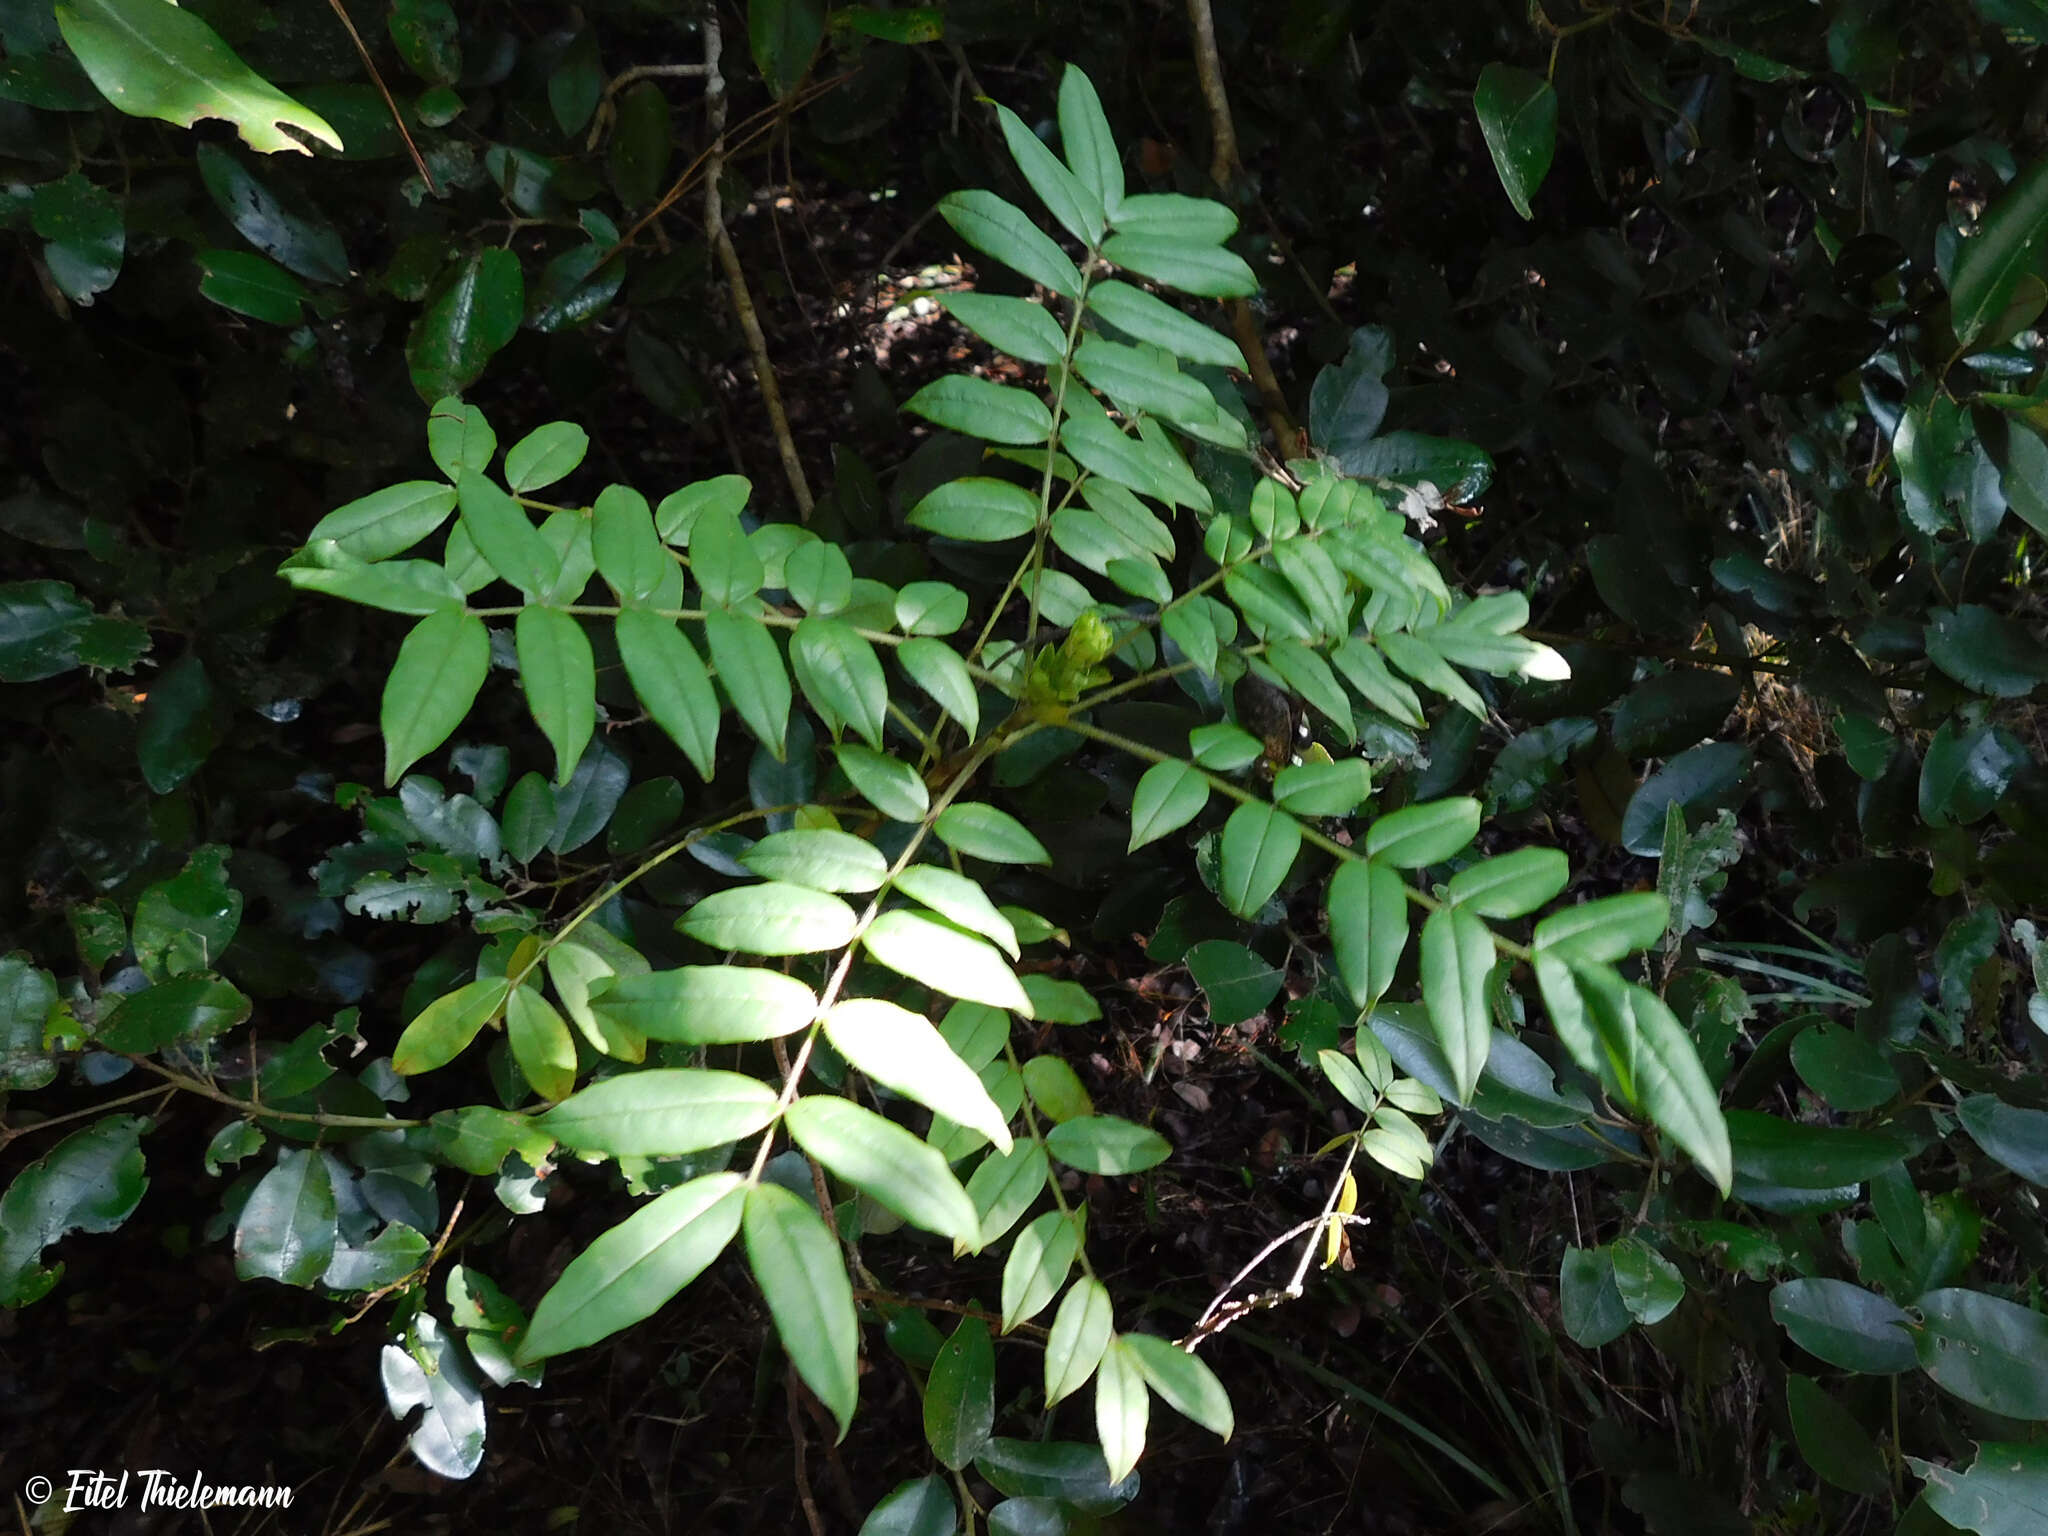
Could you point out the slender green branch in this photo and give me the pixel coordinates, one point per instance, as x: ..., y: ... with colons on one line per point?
x: 844, y: 966
x: 773, y: 618
x: 1059, y: 1195
x: 206, y: 1090
x: 1052, y: 442
x: 1310, y: 834
x: 9, y: 1132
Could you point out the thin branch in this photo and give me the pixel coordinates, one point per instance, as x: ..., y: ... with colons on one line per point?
x: 384, y: 90
x: 736, y: 277
x: 1225, y: 169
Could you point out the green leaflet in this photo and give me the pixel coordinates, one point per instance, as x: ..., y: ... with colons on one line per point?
x: 981, y: 831
x: 445, y: 1026
x: 1077, y: 206
x: 560, y: 679
x: 1258, y: 848
x: 1122, y: 1407
x: 705, y: 1004
x: 882, y: 1160
x: 937, y: 668
x: 944, y: 958
x: 542, y: 1047
x: 960, y: 1397
x: 439, y: 669
x: 629, y: 553
x: 631, y: 1271
x: 772, y: 918
x: 1003, y: 231
x: 671, y: 681
x: 1457, y: 958
x: 751, y: 672
x: 1169, y: 795
x: 796, y: 1262
x: 902, y: 1051
x: 841, y: 676
x: 1080, y: 1333
x: 661, y: 1112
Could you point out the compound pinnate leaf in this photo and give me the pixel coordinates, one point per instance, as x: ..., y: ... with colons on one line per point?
x: 796, y: 1261
x: 156, y: 60
x: 632, y: 1271
x: 440, y: 667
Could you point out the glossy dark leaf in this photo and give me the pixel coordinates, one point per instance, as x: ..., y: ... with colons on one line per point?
x: 1518, y: 116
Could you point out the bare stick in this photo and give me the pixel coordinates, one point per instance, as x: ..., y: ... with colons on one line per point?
x: 1224, y: 170
x: 1222, y: 1312
x: 736, y: 277
x: 385, y: 91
